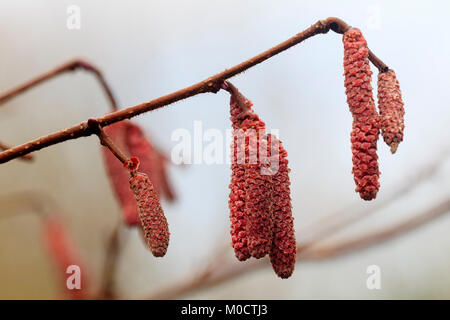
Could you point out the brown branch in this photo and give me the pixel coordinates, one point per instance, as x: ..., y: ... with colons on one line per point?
x: 313, y: 252
x: 27, y: 157
x: 69, y: 66
x: 209, y: 85
x: 106, y: 141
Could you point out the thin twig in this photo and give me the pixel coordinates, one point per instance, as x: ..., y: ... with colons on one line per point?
x: 106, y: 141
x: 335, y: 222
x: 69, y: 66
x: 27, y: 157
x: 209, y: 85
x: 326, y: 251
x: 314, y: 252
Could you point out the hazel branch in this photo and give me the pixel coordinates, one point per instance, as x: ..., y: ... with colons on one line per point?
x: 27, y: 157
x: 69, y: 66
x: 106, y: 141
x: 210, y: 85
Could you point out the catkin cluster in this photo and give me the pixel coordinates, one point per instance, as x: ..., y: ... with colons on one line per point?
x: 365, y: 128
x: 260, y: 205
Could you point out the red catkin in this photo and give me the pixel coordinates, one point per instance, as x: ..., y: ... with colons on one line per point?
x: 154, y: 223
x: 251, y: 223
x: 284, y: 247
x: 236, y: 203
x: 257, y: 190
x: 63, y: 251
x: 131, y: 140
x: 365, y: 128
x: 391, y: 109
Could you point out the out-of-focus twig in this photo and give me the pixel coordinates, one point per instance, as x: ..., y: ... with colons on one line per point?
x: 313, y: 252
x: 69, y: 66
x: 318, y: 231
x: 325, y: 251
x: 335, y: 222
x: 110, y: 265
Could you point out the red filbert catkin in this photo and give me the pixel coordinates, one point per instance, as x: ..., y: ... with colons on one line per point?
x: 257, y: 189
x: 365, y: 128
x: 118, y: 176
x: 236, y: 203
x: 154, y: 223
x: 251, y: 223
x: 284, y: 247
x: 390, y: 105
x: 63, y: 251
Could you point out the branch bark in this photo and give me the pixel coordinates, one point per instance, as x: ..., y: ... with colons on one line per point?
x: 209, y: 85
x: 27, y: 157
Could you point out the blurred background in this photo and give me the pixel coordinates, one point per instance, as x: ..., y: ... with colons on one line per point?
x: 146, y: 49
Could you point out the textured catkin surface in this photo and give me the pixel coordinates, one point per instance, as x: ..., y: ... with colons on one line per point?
x: 284, y: 247
x: 63, y: 252
x: 119, y: 176
x: 251, y: 223
x: 257, y: 189
x: 236, y: 203
x: 154, y: 223
x: 390, y: 104
x: 365, y: 128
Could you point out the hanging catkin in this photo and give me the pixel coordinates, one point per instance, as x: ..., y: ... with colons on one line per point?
x: 257, y: 189
x: 365, y: 128
x: 130, y: 138
x: 391, y: 109
x: 154, y: 223
x: 284, y: 247
x: 236, y: 203
x: 63, y: 251
x: 251, y: 223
